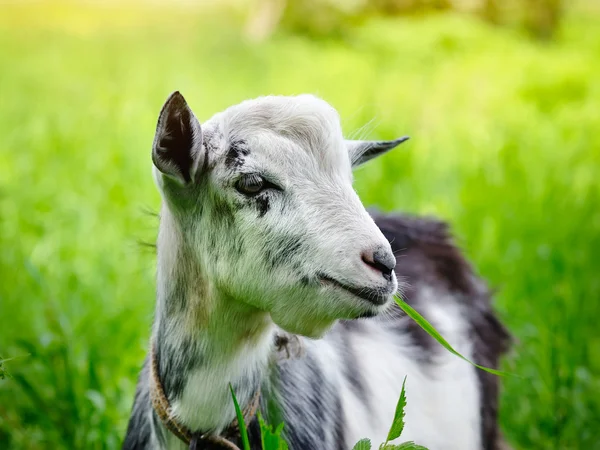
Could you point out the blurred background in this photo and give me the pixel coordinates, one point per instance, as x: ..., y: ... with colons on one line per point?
x: 501, y: 99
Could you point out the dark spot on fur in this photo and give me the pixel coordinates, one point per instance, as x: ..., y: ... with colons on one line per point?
x: 340, y: 428
x: 234, y: 159
x: 314, y: 400
x: 352, y: 373
x: 313, y: 412
x: 175, y: 364
x: 262, y: 202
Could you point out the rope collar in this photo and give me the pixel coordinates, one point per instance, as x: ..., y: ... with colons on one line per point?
x: 196, y: 441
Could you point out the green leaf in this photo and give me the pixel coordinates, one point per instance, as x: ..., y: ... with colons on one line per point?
x: 398, y: 423
x: 271, y: 440
x: 363, y: 444
x: 405, y: 446
x: 240, y: 418
x: 423, y: 323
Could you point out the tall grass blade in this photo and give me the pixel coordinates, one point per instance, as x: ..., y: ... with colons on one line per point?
x: 240, y: 418
x: 423, y: 323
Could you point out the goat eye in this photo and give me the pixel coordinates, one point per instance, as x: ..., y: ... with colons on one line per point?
x: 250, y: 184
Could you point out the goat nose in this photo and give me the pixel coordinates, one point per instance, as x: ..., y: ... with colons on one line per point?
x: 380, y: 260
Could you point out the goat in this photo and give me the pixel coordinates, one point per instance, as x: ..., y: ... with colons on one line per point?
x: 264, y: 246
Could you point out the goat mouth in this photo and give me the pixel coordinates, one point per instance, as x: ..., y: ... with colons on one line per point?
x: 374, y: 296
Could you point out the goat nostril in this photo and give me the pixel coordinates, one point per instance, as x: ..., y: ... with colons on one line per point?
x: 381, y: 261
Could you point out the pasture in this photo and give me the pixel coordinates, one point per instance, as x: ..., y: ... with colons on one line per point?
x: 505, y: 146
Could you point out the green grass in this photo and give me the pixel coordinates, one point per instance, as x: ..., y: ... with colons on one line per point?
x: 506, y: 146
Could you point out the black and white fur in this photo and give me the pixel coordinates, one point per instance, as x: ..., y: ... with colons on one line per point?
x: 239, y: 273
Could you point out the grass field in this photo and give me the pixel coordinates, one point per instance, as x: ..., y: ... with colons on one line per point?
x: 506, y: 146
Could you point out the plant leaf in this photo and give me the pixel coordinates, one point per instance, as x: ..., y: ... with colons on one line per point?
x: 404, y: 446
x: 398, y: 423
x: 423, y: 323
x: 271, y: 440
x: 240, y: 418
x: 363, y: 444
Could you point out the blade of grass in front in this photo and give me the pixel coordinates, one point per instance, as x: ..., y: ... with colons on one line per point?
x: 240, y: 418
x: 423, y: 323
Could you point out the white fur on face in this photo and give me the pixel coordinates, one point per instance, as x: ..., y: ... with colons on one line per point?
x: 273, y: 250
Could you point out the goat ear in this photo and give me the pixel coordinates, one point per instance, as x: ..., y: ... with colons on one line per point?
x: 177, y: 148
x: 362, y: 151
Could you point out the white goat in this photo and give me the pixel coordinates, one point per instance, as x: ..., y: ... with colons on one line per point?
x: 264, y: 246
